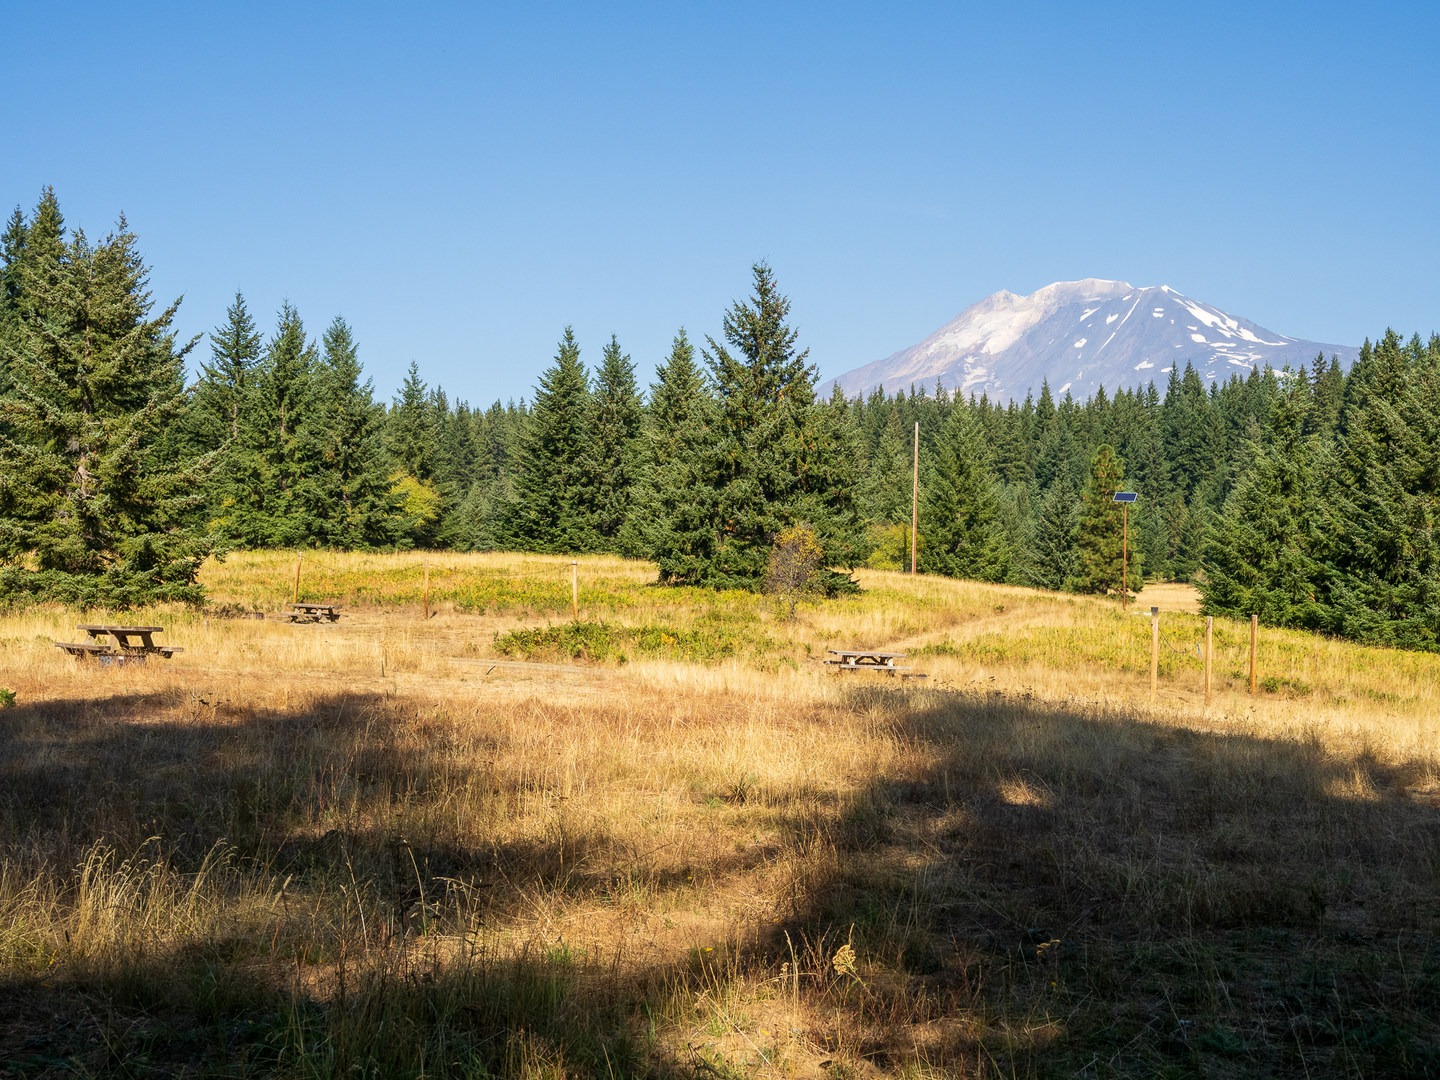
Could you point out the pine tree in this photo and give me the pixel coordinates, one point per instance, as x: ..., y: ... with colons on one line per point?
x: 278, y: 456
x: 552, y: 509
x: 1382, y: 508
x: 1263, y: 556
x: 1052, y: 554
x: 830, y: 481
x: 614, y: 432
x: 358, y: 508
x: 96, y: 498
x: 220, y: 391
x: 885, y: 495
x: 674, y: 522
x: 958, y: 535
x: 762, y: 464
x: 1098, y: 548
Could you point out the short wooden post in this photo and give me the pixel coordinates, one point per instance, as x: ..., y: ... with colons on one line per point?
x: 427, y: 590
x: 1254, y: 634
x: 575, y: 588
x: 296, y: 598
x: 1209, y: 642
x: 1154, y: 652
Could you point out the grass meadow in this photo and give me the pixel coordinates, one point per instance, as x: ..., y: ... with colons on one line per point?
x: 664, y: 840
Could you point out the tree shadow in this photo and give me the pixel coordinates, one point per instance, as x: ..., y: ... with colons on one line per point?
x: 1113, y: 896
x: 1035, y: 889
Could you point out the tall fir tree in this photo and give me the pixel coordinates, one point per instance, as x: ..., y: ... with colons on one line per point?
x: 1100, y: 541
x: 552, y: 508
x: 1056, y: 530
x: 1382, y: 505
x: 763, y: 462
x: 96, y: 496
x: 614, y: 434
x: 1263, y: 557
x: 958, y: 534
x: 278, y: 459
x: 674, y: 519
x: 358, y: 508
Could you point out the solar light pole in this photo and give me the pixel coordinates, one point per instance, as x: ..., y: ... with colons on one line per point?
x: 1124, y: 498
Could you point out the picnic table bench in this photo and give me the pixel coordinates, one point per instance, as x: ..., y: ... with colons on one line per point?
x: 307, y: 612
x: 118, y: 644
x: 869, y: 660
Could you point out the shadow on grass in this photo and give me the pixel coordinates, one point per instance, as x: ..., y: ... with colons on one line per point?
x: 1043, y: 891
x: 1107, y: 896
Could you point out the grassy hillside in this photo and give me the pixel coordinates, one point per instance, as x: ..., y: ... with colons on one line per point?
x: 665, y: 840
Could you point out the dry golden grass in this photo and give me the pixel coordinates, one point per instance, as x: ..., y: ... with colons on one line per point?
x: 377, y: 847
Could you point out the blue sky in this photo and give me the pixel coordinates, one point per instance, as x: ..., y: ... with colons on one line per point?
x: 461, y: 181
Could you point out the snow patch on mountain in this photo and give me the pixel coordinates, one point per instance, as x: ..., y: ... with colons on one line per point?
x: 1005, y: 345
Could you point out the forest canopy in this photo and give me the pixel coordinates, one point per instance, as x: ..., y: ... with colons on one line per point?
x: 1308, y: 497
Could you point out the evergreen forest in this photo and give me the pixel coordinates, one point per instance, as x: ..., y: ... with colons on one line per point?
x: 127, y: 457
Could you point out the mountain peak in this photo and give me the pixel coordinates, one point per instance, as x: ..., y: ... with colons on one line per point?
x: 1082, y: 335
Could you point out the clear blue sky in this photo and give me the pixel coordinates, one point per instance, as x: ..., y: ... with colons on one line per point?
x: 461, y: 181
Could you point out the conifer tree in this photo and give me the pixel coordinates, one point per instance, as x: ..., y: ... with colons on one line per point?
x: 220, y: 391
x: 958, y: 528
x: 674, y: 519
x: 1380, y: 522
x: 1052, y: 555
x: 1263, y: 556
x: 762, y: 464
x: 96, y: 500
x: 1098, y: 548
x: 830, y: 481
x: 614, y: 431
x: 277, y: 462
x: 552, y: 509
x: 359, y: 509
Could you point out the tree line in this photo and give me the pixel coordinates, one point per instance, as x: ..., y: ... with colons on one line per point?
x: 1306, y: 497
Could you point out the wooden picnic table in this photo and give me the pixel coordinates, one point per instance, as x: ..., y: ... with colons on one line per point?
x: 867, y: 660
x: 111, y: 643
x: 307, y: 612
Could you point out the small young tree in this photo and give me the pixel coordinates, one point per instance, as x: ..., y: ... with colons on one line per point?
x: 1098, y: 555
x: 794, y: 568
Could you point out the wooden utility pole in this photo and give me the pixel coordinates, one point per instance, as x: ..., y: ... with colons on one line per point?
x: 915, y: 500
x: 427, y: 590
x: 1209, y: 642
x: 296, y: 598
x: 1254, y: 634
x: 1154, y: 652
x: 575, y: 588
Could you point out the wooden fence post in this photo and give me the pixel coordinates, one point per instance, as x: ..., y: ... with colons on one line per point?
x: 1154, y: 652
x: 1209, y: 643
x: 1254, y: 634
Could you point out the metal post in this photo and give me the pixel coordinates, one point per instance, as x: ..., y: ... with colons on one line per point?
x: 575, y: 588
x: 1124, y: 555
x: 296, y: 598
x: 427, y: 590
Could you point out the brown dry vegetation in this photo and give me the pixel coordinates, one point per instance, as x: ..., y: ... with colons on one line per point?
x: 380, y: 848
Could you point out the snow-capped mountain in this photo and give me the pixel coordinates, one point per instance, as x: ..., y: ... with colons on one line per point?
x: 1082, y: 335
